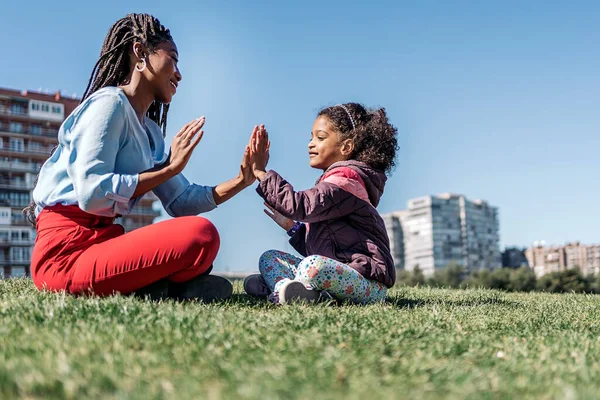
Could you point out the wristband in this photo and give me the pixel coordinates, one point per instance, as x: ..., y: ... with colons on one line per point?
x: 294, y: 229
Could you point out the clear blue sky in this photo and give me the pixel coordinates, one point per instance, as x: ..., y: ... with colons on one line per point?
x: 495, y: 100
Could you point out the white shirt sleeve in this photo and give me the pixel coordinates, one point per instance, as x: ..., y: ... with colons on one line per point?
x: 95, y: 138
x: 180, y: 198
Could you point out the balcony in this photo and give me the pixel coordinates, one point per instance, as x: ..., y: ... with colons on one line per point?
x: 8, y: 242
x: 15, y: 185
x: 130, y: 226
x: 53, y: 133
x: 13, y: 204
x: 10, y: 111
x: 14, y: 261
x: 144, y: 212
x: 19, y: 166
x: 19, y: 221
x: 43, y: 152
x: 43, y: 132
x: 40, y: 150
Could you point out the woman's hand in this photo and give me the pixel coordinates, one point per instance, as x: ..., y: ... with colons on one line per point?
x: 279, y: 219
x: 226, y: 190
x: 260, y: 151
x: 246, y: 175
x: 184, y: 144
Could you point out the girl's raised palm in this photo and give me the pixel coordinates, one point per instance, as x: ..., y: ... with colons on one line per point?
x: 260, y: 149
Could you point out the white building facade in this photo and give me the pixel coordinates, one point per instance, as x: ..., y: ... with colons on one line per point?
x: 436, y: 231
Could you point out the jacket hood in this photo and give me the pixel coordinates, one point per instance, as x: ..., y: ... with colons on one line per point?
x: 374, y: 179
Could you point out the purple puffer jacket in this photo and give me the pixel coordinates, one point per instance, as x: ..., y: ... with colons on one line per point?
x: 341, y: 220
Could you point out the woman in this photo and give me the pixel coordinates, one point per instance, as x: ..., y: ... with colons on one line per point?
x: 111, y: 152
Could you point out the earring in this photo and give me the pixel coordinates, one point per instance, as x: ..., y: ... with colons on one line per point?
x: 143, y: 67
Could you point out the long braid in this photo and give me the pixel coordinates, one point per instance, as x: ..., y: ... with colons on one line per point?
x: 112, y: 67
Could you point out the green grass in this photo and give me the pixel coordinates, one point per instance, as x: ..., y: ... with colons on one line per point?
x: 423, y: 343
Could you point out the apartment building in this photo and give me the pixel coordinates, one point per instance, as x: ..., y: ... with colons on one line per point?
x: 29, y: 124
x: 396, y: 236
x: 546, y: 259
x: 435, y: 231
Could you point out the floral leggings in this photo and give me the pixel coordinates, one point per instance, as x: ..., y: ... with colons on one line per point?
x: 319, y: 273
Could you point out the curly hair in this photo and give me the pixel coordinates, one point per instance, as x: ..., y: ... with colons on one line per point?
x: 373, y: 136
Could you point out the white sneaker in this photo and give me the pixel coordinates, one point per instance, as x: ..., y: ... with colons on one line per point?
x: 294, y: 291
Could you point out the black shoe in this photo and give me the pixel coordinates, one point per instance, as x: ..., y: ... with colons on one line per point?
x: 155, y: 291
x: 206, y: 288
x: 255, y: 285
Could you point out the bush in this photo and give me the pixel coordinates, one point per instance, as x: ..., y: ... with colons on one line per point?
x: 417, y: 278
x: 522, y: 280
x: 500, y: 279
x: 594, y: 283
x: 451, y: 276
x: 477, y: 279
x: 513, y: 280
x: 410, y: 278
x: 570, y: 280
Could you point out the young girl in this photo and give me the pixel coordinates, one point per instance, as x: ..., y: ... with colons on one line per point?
x: 334, y: 225
x: 112, y: 151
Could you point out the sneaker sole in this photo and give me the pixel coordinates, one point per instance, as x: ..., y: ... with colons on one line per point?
x: 295, y: 292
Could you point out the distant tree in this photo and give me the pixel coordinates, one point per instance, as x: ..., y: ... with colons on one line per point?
x: 595, y: 283
x: 403, y: 277
x: 574, y: 281
x: 548, y: 283
x: 500, y: 279
x: 570, y: 280
x: 417, y: 278
x: 451, y: 276
x: 477, y: 279
x: 522, y: 280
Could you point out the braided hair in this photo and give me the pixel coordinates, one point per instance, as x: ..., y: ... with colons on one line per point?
x: 113, y: 68
x: 373, y: 136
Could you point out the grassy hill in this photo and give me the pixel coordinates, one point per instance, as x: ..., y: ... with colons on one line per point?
x: 422, y: 343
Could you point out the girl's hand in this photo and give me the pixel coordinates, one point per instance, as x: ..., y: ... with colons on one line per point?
x: 260, y: 145
x: 279, y: 219
x: 184, y: 144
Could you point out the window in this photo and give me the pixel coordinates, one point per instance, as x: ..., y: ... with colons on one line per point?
x: 16, y: 108
x: 16, y: 253
x: 35, y: 146
x: 14, y: 235
x: 45, y: 107
x: 16, y: 127
x: 16, y: 144
x: 36, y: 129
x: 56, y: 109
x: 17, y: 218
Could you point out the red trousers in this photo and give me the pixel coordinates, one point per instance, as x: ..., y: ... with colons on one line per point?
x: 80, y: 252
